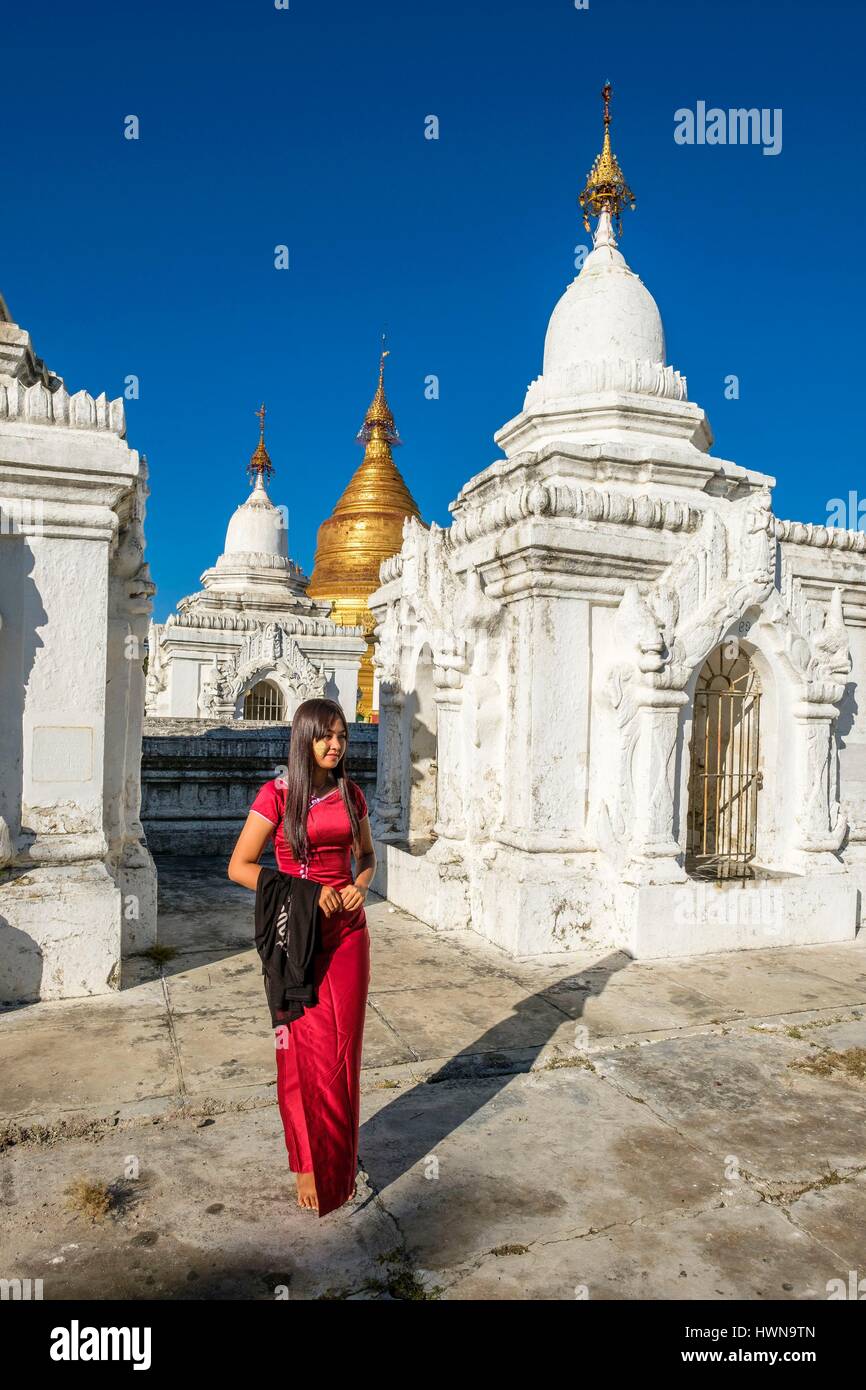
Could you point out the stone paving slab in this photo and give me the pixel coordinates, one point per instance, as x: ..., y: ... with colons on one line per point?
x: 397, y: 955
x: 72, y: 1055
x: 639, y: 1006
x: 221, y: 1048
x: 740, y: 1097
x: 209, y: 1213
x: 481, y: 1016
x: 464, y: 1167
x: 721, y: 1254
x: 199, y: 979
x: 540, y: 1128
x: 835, y: 1215
x: 771, y: 981
x: 845, y: 961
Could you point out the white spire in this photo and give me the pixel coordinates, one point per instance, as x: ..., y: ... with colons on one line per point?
x: 605, y: 251
x: 603, y: 235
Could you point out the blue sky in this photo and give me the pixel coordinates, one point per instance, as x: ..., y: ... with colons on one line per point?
x: 305, y: 127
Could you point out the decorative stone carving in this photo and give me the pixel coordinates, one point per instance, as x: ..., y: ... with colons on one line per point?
x: 216, y: 695
x: 268, y: 653
x: 386, y: 654
x: 38, y: 405
x: 565, y: 500
x: 822, y: 537
x: 586, y: 378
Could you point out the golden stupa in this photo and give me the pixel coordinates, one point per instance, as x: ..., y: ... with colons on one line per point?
x: 365, y: 527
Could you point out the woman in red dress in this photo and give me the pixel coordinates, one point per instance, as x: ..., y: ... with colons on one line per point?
x: 317, y: 818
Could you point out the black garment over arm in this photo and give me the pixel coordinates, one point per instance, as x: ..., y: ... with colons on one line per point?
x: 287, y: 938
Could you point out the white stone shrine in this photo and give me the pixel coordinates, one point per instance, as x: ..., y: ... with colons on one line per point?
x: 77, y: 883
x: 622, y: 704
x: 251, y: 644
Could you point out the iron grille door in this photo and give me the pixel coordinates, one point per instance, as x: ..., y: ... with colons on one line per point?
x: 264, y: 701
x: 725, y: 769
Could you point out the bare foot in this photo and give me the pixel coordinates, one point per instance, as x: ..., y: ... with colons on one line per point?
x: 307, y: 1191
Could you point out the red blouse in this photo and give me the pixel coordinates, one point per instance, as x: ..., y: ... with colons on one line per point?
x: 328, y: 828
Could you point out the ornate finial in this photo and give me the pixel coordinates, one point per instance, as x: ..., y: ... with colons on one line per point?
x: 260, y: 463
x: 383, y: 354
x: 605, y: 189
x: 379, y: 417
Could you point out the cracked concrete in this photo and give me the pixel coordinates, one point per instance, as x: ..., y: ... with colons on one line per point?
x: 548, y: 1128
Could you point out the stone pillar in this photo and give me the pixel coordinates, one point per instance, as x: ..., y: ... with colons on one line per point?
x: 130, y: 591
x: 450, y: 774
x: 654, y: 773
x: 74, y: 707
x: 818, y: 824
x: 11, y: 687
x: 389, y: 813
x: 59, y: 902
x: 66, y: 602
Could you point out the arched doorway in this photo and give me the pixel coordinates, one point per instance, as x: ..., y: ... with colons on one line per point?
x: 725, y: 772
x: 264, y: 701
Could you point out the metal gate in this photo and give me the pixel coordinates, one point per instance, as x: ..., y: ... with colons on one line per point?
x: 264, y: 702
x: 725, y: 769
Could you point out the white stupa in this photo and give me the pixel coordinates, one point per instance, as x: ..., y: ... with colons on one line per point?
x: 251, y: 644
x: 621, y: 702
x: 607, y: 315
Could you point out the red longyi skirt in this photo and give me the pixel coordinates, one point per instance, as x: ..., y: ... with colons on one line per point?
x: 319, y: 1063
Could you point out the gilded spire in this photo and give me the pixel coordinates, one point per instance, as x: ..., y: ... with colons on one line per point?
x: 365, y: 527
x: 605, y: 189
x: 379, y: 411
x: 260, y: 463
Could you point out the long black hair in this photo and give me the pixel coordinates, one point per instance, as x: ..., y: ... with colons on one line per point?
x: 312, y: 720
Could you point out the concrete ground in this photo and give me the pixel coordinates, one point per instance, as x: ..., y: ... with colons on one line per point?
x: 539, y: 1129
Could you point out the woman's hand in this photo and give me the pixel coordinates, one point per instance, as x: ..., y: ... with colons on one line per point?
x: 330, y: 901
x: 352, y: 896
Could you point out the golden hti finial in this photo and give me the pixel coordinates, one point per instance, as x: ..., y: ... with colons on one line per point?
x: 605, y: 189
x: 378, y: 421
x: 260, y: 463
